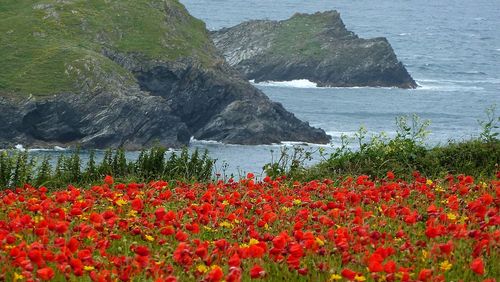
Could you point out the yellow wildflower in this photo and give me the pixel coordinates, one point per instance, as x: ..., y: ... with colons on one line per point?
x: 120, y: 202
x: 297, y: 202
x: 335, y: 277
x: 425, y: 254
x: 440, y: 189
x: 226, y: 224
x: 149, y: 238
x: 253, y: 242
x: 360, y: 278
x: 225, y: 203
x: 132, y: 213
x: 463, y: 219
x: 445, y: 265
x: 429, y: 182
x: 202, y: 268
x: 319, y: 241
x: 451, y: 216
x: 88, y: 268
x: 18, y: 276
x: 382, y: 279
x: 285, y: 209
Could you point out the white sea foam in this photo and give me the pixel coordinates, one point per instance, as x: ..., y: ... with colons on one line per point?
x: 295, y: 143
x: 447, y: 85
x: 299, y: 83
x: 55, y: 148
x: 195, y: 141
x: 307, y: 84
x: 19, y: 147
x: 340, y: 133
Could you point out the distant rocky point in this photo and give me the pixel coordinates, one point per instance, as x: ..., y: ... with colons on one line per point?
x: 317, y: 47
x: 126, y: 73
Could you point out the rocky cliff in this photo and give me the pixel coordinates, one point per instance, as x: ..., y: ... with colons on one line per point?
x: 317, y: 47
x: 125, y: 73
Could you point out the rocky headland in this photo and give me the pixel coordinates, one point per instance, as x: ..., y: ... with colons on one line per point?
x: 317, y: 47
x: 126, y: 73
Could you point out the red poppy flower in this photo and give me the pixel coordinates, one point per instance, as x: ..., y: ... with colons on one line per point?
x: 257, y: 272
x: 390, y: 267
x: 425, y: 274
x: 84, y: 254
x: 477, y: 266
x: 234, y: 274
x: 234, y: 261
x: 45, y: 273
x: 215, y: 274
x: 109, y: 180
x: 137, y: 204
x: 181, y: 236
x: 390, y: 175
x: 348, y: 274
x: 142, y: 251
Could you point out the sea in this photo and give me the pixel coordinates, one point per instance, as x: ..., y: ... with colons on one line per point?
x: 450, y: 47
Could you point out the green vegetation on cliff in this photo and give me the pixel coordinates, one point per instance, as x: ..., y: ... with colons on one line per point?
x: 46, y: 45
x: 302, y: 34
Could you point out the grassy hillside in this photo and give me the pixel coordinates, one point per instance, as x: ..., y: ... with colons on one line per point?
x: 303, y: 34
x: 45, y: 45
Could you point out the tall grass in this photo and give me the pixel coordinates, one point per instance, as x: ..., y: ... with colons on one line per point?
x: 18, y: 167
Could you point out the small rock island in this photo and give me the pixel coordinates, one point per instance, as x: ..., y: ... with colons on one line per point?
x: 317, y: 47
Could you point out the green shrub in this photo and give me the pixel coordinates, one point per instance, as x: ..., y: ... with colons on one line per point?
x: 404, y: 154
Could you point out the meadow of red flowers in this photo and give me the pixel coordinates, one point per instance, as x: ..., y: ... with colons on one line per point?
x: 351, y: 229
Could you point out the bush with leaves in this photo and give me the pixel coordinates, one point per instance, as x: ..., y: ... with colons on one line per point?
x: 403, y: 154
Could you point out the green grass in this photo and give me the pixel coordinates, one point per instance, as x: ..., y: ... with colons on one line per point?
x: 300, y: 36
x: 41, y: 40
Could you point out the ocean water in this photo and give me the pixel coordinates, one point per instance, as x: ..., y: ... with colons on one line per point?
x: 450, y: 47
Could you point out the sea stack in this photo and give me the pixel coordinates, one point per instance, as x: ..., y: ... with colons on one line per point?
x: 317, y: 47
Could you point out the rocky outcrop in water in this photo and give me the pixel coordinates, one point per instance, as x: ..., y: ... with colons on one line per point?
x: 316, y: 47
x: 124, y: 84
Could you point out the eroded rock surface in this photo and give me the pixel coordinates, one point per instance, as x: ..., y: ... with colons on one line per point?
x: 317, y: 47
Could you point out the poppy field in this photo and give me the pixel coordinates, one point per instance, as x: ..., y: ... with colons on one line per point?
x: 349, y: 229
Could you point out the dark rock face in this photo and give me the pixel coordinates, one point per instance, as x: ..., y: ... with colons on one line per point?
x: 170, y: 103
x: 316, y: 47
x: 219, y: 105
x: 93, y: 121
